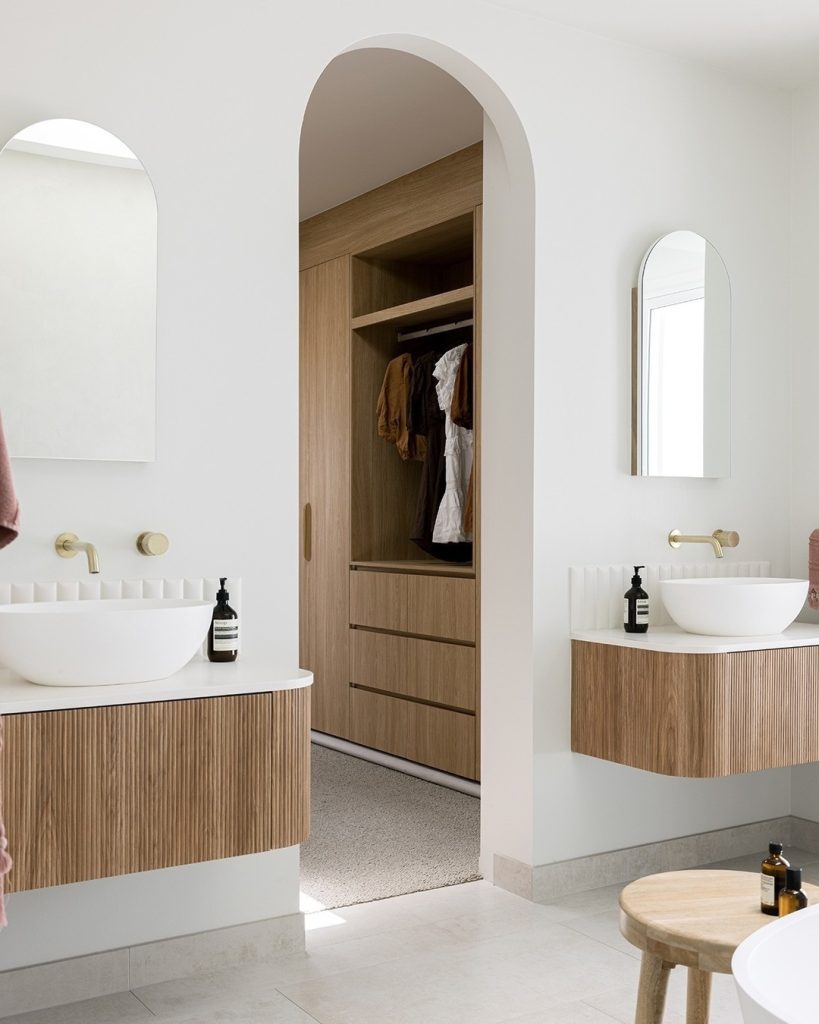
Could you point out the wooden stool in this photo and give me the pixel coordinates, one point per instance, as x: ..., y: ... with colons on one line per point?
x: 693, y: 919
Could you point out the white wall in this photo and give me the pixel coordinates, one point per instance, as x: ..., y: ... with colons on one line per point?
x: 804, y: 310
x: 625, y: 144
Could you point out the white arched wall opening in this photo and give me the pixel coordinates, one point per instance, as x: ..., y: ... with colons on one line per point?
x: 507, y: 456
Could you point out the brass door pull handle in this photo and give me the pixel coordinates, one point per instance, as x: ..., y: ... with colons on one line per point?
x: 307, y: 531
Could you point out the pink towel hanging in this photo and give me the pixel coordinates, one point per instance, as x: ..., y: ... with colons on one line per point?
x: 813, y: 569
x: 9, y: 506
x: 5, y: 858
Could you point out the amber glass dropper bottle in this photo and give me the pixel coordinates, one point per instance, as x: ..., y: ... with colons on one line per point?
x: 773, y: 879
x: 792, y: 898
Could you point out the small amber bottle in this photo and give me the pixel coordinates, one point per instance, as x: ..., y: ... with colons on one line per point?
x: 773, y: 879
x: 792, y: 898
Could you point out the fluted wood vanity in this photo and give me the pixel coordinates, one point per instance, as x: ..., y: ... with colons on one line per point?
x: 694, y: 706
x: 97, y: 781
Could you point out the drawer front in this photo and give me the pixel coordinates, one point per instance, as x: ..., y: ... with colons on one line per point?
x: 424, y: 669
x: 378, y: 600
x: 433, y: 736
x: 441, y: 606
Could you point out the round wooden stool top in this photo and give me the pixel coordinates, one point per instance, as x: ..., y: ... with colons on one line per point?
x: 695, y: 918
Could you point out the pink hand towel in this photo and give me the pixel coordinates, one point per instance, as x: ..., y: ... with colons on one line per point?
x: 813, y: 569
x: 5, y: 859
x: 9, y: 506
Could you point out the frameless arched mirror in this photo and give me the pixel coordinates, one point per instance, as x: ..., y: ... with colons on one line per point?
x: 681, y: 419
x: 77, y: 296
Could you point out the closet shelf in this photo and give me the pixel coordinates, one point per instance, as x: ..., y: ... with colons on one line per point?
x: 452, y: 303
x: 421, y: 567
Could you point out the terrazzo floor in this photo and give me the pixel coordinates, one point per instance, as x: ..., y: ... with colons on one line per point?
x: 467, y: 954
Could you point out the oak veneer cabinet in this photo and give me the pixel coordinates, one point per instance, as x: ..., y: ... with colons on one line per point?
x: 90, y: 792
x: 389, y: 632
x: 696, y: 715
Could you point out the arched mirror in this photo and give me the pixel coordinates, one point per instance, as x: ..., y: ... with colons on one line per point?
x: 681, y: 418
x: 77, y: 295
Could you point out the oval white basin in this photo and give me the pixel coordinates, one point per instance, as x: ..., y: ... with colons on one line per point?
x: 95, y: 643
x: 743, y: 606
x: 775, y: 971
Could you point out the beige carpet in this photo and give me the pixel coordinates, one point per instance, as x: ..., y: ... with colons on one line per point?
x: 378, y: 833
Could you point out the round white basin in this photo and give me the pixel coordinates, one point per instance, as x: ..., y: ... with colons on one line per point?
x: 775, y: 971
x: 95, y: 643
x: 744, y: 606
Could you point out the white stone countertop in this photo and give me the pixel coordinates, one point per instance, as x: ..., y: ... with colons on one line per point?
x: 199, y: 678
x: 673, y: 640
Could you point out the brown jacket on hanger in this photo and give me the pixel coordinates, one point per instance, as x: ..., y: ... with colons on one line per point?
x: 393, y: 405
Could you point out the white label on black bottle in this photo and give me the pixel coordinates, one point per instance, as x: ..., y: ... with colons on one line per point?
x: 226, y: 634
x: 768, y: 891
x: 641, y: 615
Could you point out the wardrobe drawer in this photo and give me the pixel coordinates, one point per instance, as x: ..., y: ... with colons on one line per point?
x: 378, y: 600
x: 441, y: 606
x: 442, y: 739
x: 424, y: 669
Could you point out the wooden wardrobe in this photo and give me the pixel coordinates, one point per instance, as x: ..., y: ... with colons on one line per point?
x: 391, y: 634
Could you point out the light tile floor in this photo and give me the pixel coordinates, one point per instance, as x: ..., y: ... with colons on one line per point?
x: 470, y: 954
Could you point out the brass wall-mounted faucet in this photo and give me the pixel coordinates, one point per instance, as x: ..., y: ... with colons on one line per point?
x: 718, y: 540
x: 67, y: 545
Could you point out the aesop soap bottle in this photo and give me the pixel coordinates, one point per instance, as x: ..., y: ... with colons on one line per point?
x: 791, y: 897
x: 773, y: 879
x: 635, y: 605
x: 223, y: 637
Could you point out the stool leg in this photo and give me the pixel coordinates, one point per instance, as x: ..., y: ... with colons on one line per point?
x: 699, y: 996
x: 654, y: 972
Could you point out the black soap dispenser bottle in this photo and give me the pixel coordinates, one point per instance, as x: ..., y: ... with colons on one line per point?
x: 635, y: 605
x: 223, y: 637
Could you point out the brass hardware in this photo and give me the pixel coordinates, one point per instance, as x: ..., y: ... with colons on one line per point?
x: 152, y: 543
x: 718, y: 540
x: 67, y: 545
x: 307, y: 531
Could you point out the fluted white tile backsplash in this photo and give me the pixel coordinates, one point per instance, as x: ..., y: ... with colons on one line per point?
x: 91, y: 589
x: 596, y: 591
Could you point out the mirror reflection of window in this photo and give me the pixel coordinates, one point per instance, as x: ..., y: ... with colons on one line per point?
x: 682, y: 357
x: 674, y: 393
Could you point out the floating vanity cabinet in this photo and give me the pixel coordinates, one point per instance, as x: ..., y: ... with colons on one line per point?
x: 89, y: 792
x: 697, y: 715
x: 389, y: 631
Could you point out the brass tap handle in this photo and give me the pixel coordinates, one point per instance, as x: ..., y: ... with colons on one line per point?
x: 727, y: 538
x: 152, y: 543
x: 307, y: 531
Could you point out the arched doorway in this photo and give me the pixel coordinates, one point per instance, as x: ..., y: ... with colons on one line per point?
x: 507, y: 409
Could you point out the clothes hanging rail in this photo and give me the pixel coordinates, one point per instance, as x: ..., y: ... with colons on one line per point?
x: 425, y: 332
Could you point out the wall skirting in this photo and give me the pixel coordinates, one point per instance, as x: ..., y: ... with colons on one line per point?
x: 547, y: 882
x: 118, y: 970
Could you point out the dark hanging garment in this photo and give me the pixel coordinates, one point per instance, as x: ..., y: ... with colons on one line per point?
x: 427, y: 419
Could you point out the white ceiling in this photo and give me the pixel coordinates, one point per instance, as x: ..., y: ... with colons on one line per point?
x: 775, y: 42
x: 375, y: 115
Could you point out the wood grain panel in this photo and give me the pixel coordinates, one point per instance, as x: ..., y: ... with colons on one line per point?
x: 324, y: 483
x: 418, y: 732
x: 424, y: 669
x: 438, y: 192
x: 378, y: 600
x: 105, y: 791
x: 457, y: 302
x: 696, y: 715
x: 439, y: 606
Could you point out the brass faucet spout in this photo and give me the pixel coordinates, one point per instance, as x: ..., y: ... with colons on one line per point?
x: 67, y: 545
x: 718, y: 540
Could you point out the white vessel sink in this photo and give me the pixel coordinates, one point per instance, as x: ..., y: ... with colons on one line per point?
x: 94, y: 643
x: 742, y: 606
x: 775, y: 971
